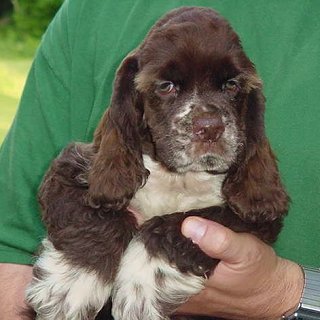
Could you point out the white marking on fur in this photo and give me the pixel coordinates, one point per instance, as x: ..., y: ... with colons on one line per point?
x: 187, y: 109
x: 230, y: 134
x: 137, y: 293
x: 168, y: 192
x: 64, y: 292
x: 79, y: 155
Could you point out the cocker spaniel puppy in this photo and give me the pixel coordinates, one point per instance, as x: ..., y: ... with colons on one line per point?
x: 184, y: 136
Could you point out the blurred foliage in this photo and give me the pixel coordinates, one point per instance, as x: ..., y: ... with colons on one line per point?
x: 6, y: 8
x: 23, y: 19
x: 13, y: 46
x: 12, y: 77
x: 32, y: 17
x: 22, y: 22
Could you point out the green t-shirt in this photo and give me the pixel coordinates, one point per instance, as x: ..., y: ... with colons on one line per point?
x: 70, y: 83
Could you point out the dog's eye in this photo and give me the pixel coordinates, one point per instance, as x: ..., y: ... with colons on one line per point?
x: 166, y: 87
x: 231, y: 86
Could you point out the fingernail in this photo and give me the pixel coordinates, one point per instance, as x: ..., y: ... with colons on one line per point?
x: 194, y: 229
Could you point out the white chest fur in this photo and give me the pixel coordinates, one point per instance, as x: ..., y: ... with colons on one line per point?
x: 167, y: 192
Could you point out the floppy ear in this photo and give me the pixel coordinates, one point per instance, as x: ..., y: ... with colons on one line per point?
x: 117, y: 169
x: 253, y: 188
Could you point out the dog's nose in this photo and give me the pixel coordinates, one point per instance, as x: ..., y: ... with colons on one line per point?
x: 207, y: 127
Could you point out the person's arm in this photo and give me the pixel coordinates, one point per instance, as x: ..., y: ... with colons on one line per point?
x: 14, y: 279
x: 250, y: 282
x: 40, y: 129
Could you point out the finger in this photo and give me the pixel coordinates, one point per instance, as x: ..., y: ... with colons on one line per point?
x: 214, y: 239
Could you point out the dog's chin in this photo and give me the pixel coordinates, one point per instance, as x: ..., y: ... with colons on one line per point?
x: 207, y: 156
x: 198, y: 157
x: 203, y: 163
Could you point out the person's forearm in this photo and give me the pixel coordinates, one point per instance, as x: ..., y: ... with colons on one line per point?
x: 13, y: 281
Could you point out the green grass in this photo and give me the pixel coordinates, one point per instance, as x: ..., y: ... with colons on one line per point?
x: 15, y: 61
x: 12, y: 78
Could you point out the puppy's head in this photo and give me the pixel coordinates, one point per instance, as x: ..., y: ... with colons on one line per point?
x: 195, y: 81
x: 190, y: 98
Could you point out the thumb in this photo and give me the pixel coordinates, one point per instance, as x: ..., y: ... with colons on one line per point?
x: 214, y: 239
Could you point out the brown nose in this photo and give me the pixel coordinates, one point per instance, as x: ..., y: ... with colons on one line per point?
x: 207, y: 127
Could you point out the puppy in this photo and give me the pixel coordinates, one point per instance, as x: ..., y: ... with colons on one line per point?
x: 183, y: 136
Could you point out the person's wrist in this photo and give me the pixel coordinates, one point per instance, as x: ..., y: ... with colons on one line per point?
x: 282, y: 291
x: 293, y: 283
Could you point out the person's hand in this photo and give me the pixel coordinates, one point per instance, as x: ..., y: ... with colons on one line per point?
x: 13, y: 281
x: 250, y: 281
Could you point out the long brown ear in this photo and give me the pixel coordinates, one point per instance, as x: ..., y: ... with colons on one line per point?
x: 117, y: 170
x: 253, y: 189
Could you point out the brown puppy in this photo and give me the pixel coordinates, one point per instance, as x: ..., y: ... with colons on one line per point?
x: 184, y: 135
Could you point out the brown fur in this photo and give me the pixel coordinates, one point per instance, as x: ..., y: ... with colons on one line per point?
x: 85, y: 194
x: 117, y: 171
x: 253, y: 187
x: 81, y: 231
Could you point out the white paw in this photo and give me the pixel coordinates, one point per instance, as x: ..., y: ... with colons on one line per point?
x: 149, y: 288
x: 62, y: 291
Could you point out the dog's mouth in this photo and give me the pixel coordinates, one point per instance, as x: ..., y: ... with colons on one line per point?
x: 203, y: 142
x: 208, y: 148
x: 205, y: 162
x: 183, y: 154
x: 199, y: 156
x: 206, y: 153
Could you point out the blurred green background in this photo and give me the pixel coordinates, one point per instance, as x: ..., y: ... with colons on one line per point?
x: 22, y: 22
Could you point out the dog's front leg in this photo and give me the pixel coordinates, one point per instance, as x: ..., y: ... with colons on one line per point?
x: 161, y: 269
x: 72, y: 279
x: 62, y: 291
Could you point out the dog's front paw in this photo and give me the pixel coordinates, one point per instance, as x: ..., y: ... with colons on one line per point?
x: 60, y: 291
x: 150, y: 288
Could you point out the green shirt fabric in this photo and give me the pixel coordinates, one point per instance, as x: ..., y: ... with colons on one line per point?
x: 70, y: 84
